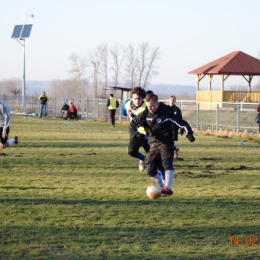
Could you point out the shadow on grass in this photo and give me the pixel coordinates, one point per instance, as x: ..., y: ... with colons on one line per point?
x: 25, y: 188
x: 198, y: 203
x: 93, y: 242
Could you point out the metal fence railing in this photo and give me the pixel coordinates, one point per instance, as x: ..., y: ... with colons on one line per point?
x: 236, y: 116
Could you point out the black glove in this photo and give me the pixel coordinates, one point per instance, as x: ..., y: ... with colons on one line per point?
x: 138, y: 135
x: 181, y: 131
x: 191, y: 138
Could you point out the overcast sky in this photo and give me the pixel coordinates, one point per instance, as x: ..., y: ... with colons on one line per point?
x: 189, y: 34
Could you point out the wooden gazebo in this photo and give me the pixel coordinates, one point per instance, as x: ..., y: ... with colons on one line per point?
x: 236, y: 63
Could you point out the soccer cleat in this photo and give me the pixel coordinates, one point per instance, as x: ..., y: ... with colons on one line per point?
x: 141, y: 165
x: 16, y: 140
x: 166, y: 191
x: 176, y: 153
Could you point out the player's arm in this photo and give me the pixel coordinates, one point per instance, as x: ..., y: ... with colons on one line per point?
x: 7, y: 118
x: 135, y: 123
x: 123, y: 109
x: 182, y: 124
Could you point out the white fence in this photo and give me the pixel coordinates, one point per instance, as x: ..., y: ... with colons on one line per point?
x: 238, y: 116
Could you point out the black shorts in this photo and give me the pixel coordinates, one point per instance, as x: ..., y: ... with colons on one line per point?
x: 156, y: 156
x: 4, y: 140
x: 135, y: 144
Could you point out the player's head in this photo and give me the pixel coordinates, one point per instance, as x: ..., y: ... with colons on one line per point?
x: 64, y: 103
x: 111, y: 95
x: 172, y: 100
x: 137, y: 95
x: 152, y: 103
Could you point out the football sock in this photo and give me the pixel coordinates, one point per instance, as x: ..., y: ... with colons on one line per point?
x: 162, y: 174
x: 158, y: 180
x: 140, y: 156
x: 11, y: 141
x: 169, y: 175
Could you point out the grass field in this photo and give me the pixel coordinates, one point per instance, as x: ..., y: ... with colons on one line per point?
x: 72, y: 192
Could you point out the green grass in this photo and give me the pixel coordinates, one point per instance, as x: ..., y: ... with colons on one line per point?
x: 72, y: 192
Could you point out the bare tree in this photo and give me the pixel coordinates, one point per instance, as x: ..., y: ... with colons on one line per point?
x: 95, y: 59
x: 142, y: 64
x: 13, y: 85
x: 150, y: 70
x: 131, y: 65
x: 103, y: 49
x: 78, y: 70
x: 118, y: 57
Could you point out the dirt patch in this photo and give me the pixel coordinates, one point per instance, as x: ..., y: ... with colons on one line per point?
x: 209, y: 159
x: 189, y: 165
x: 241, y: 167
x: 3, y: 154
x: 185, y: 173
x: 91, y: 154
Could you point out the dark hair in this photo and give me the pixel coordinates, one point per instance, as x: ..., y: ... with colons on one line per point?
x: 111, y: 95
x: 151, y: 98
x: 174, y: 97
x: 149, y: 92
x: 139, y: 91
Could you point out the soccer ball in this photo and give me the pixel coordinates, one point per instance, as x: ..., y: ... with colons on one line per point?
x: 153, y: 191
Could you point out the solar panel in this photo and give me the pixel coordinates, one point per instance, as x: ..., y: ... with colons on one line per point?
x: 26, y: 31
x: 17, y: 31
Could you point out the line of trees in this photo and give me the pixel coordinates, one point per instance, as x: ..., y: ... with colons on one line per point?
x: 116, y: 65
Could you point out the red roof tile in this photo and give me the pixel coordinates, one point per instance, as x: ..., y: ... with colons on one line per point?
x: 235, y: 63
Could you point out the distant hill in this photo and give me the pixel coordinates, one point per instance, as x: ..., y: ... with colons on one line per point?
x: 38, y: 87
x: 164, y: 91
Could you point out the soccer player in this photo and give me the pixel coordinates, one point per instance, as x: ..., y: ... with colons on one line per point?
x: 158, y: 123
x: 132, y: 108
x: 176, y: 110
x: 4, y: 127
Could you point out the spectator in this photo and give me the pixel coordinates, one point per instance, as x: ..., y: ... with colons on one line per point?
x: 44, y: 100
x: 112, y: 105
x: 65, y: 111
x: 73, y: 113
x: 5, y: 119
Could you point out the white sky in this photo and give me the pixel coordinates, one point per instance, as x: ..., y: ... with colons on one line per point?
x: 189, y: 34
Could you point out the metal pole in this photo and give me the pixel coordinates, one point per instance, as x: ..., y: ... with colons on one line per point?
x: 217, y: 117
x: 24, y: 84
x: 198, y: 117
x: 238, y: 118
x: 86, y: 109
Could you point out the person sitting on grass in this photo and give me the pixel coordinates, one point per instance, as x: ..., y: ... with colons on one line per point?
x: 65, y: 111
x: 158, y: 124
x: 5, y: 120
x: 73, y: 111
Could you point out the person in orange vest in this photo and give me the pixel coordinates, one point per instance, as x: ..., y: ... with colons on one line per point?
x: 112, y: 105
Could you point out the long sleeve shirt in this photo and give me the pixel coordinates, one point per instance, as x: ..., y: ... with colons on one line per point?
x: 5, y: 116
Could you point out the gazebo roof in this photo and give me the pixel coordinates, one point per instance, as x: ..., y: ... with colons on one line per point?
x: 235, y: 63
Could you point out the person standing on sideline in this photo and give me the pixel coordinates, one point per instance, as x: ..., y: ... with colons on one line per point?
x: 176, y: 110
x: 44, y: 100
x: 112, y: 105
x: 132, y: 108
x: 158, y: 123
x: 5, y: 119
x: 257, y: 110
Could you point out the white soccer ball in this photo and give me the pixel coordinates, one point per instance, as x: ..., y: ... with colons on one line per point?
x: 153, y: 191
